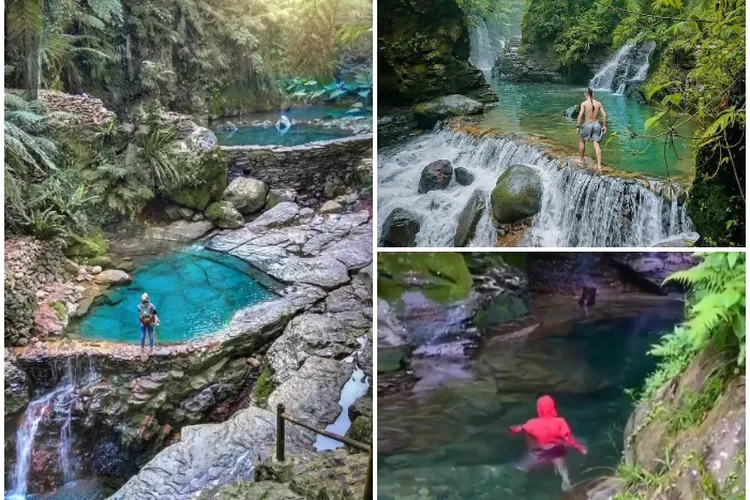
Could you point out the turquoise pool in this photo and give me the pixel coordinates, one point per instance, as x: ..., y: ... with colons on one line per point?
x: 195, y: 291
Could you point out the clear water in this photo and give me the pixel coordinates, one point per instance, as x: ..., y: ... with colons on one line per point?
x: 539, y: 110
x: 298, y: 134
x: 195, y: 292
x: 83, y: 489
x: 451, y: 440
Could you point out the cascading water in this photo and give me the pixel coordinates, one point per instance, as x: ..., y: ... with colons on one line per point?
x: 629, y: 65
x: 578, y: 208
x: 355, y: 388
x: 56, y: 406
x: 484, y: 45
x: 38, y: 410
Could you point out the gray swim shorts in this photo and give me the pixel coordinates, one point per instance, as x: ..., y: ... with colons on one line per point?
x: 591, y: 131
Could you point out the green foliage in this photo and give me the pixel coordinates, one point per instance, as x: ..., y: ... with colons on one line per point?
x: 444, y: 276
x: 264, y: 385
x: 358, y: 91
x: 715, y: 315
x: 695, y: 406
x: 132, y: 163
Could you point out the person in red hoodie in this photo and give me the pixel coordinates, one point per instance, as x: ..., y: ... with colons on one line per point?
x: 547, y: 436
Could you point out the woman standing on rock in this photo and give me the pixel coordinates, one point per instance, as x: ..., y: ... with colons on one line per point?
x: 148, y: 319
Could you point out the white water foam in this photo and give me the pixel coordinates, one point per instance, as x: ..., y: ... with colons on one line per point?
x: 578, y: 208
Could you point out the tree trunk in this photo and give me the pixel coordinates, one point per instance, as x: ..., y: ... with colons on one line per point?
x: 33, y: 46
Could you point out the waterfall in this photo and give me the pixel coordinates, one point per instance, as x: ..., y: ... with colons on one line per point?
x: 55, y: 406
x: 484, y: 45
x: 578, y: 208
x: 355, y: 388
x: 629, y: 65
x: 38, y: 410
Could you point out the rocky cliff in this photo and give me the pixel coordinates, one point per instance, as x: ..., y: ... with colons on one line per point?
x: 423, y: 53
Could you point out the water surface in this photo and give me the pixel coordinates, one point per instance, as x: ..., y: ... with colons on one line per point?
x: 195, y: 292
x: 539, y: 109
x: 450, y: 440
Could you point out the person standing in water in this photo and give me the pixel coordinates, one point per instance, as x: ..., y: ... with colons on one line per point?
x: 148, y: 319
x: 547, y: 435
x: 592, y: 130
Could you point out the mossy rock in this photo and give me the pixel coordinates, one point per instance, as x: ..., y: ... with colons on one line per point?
x: 60, y: 310
x: 361, y: 430
x: 517, y: 194
x: 93, y: 245
x: 443, y: 276
x: 246, y: 490
x: 264, y: 385
x: 103, y: 260
x: 224, y: 215
x: 207, y: 173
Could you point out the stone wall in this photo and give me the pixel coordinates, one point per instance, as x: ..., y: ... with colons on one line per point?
x: 29, y: 265
x: 305, y: 168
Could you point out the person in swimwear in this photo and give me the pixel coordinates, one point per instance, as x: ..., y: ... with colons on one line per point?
x: 547, y: 436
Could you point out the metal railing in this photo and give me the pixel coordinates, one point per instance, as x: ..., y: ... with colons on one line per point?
x: 282, y: 417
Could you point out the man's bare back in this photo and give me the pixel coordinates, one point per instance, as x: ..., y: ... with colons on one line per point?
x: 591, y: 115
x: 591, y: 130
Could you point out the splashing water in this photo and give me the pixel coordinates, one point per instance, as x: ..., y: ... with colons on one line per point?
x: 39, y: 409
x: 578, y: 209
x: 629, y: 65
x: 355, y: 388
x: 283, y: 124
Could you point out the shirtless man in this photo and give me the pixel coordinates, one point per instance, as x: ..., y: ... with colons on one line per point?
x: 591, y: 130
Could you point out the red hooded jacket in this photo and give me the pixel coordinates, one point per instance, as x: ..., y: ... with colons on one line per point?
x: 549, y: 428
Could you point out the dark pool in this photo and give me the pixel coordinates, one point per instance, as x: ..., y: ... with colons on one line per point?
x: 450, y: 440
x: 195, y: 291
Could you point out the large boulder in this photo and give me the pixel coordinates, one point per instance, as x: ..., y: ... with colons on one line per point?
x: 276, y: 196
x: 436, y: 175
x: 469, y: 218
x: 246, y: 194
x: 113, y: 277
x: 206, y: 171
x: 517, y: 194
x: 400, y: 229
x: 429, y: 113
x: 224, y: 215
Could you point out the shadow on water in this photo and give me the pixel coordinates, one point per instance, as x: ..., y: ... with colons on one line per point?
x: 452, y: 441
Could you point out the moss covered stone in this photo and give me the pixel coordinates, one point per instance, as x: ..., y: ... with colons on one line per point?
x: 206, y: 173
x: 94, y: 244
x: 60, y: 310
x: 517, y: 194
x: 264, y: 385
x: 223, y: 214
x: 444, y: 276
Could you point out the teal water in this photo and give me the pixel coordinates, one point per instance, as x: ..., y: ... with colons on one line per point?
x: 195, y: 292
x: 450, y: 439
x: 539, y: 109
x: 297, y: 134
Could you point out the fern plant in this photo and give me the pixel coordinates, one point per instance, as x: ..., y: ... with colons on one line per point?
x: 715, y: 314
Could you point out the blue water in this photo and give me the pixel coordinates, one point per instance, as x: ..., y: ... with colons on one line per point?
x: 298, y: 134
x: 193, y: 295
x: 452, y: 441
x: 539, y: 110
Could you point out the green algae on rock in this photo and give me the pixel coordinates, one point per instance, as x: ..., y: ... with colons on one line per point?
x: 442, y: 276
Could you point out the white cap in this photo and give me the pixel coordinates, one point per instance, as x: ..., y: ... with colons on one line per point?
x: 144, y: 296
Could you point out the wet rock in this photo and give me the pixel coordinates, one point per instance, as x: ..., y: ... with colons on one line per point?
x: 276, y: 196
x: 173, y: 212
x: 246, y: 194
x: 209, y: 455
x: 309, y: 335
x: 224, y: 215
x: 400, y: 229
x: 312, y: 393
x: 463, y: 176
x: 113, y: 277
x: 650, y: 269
x: 469, y: 218
x: 181, y: 231
x: 280, y: 214
x: 429, y: 113
x: 331, y: 207
x: 17, y: 389
x: 517, y: 194
x: 436, y: 175
x: 186, y: 213
x: 70, y: 267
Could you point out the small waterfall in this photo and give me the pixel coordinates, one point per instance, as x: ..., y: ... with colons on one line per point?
x: 57, y: 406
x: 484, y: 45
x: 355, y: 388
x: 629, y: 65
x: 578, y: 208
x: 38, y: 410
